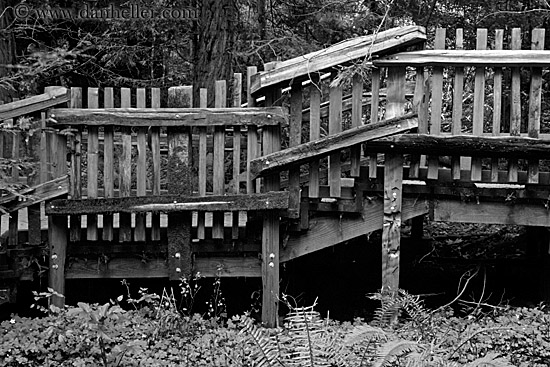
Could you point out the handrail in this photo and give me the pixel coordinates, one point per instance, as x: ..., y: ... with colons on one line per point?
x: 53, y: 97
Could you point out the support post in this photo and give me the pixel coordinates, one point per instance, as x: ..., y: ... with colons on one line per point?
x: 57, y: 239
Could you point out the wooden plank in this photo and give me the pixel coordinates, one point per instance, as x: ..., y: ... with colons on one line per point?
x: 125, y: 170
x: 249, y: 267
x: 458, y: 95
x: 156, y: 161
x: 218, y: 174
x: 252, y: 133
x: 391, y: 229
x: 76, y: 166
x: 108, y: 165
x: 170, y: 117
x: 437, y: 102
x: 463, y: 58
x: 53, y: 96
x: 515, y: 103
x: 314, y: 134
x: 335, y: 127
x: 13, y: 239
x: 171, y: 203
x: 491, y: 213
x: 329, y: 230
x: 37, y: 194
x: 237, y: 88
x: 141, y: 169
x: 533, y: 127
x: 375, y: 87
x: 303, y: 66
x: 202, y: 166
x: 322, y: 147
x: 180, y: 182
x: 497, y: 101
x: 57, y: 241
x: 92, y: 164
x: 479, y: 101
x: 356, y: 121
x: 295, y: 139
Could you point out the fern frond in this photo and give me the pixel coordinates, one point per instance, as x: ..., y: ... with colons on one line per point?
x: 394, y: 349
x: 267, y: 353
x: 491, y: 359
x: 362, y: 332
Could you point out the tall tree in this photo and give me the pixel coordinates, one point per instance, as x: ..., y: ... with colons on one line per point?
x: 7, y: 46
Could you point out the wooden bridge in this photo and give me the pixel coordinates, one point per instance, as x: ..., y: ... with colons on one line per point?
x: 151, y: 183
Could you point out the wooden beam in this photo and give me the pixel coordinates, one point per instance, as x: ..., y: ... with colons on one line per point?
x: 485, y: 58
x: 171, y: 117
x: 307, y: 152
x: 36, y: 194
x: 171, y: 203
x: 302, y: 67
x: 525, y: 214
x: 465, y: 145
x: 330, y: 230
x: 249, y: 267
x: 53, y: 97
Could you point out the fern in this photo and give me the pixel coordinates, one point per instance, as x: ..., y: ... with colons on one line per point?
x: 394, y: 303
x: 394, y: 349
x: 491, y: 359
x: 267, y: 352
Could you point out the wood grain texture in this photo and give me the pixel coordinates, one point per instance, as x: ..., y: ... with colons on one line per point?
x: 92, y: 164
x: 314, y: 134
x: 497, y: 101
x: 218, y: 174
x: 458, y: 91
x: 125, y: 170
x: 356, y: 121
x: 437, y: 102
x: 252, y: 133
x: 237, y: 89
x: 203, y: 169
x: 141, y: 168
x: 53, y: 96
x: 108, y: 165
x: 57, y: 241
x: 515, y: 103
x: 533, y: 126
x: 295, y: 139
x: 479, y: 101
x: 335, y: 127
x: 375, y: 85
x: 156, y: 162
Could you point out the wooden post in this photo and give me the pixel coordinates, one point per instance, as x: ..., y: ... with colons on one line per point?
x: 76, y: 169
x: 108, y: 166
x: 356, y: 120
x: 270, y: 233
x: 155, y: 156
x: 218, y: 165
x: 515, y: 105
x: 295, y: 138
x: 237, y: 88
x: 179, y: 182
x: 375, y: 101
x: 125, y: 171
x: 92, y: 164
x: 141, y: 169
x: 497, y: 102
x: 479, y: 102
x: 458, y: 95
x: 437, y: 102
x: 334, y: 127
x: 201, y: 216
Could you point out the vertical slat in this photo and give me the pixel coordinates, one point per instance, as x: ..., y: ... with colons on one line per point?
x: 295, y: 138
x: 141, y: 169
x: 479, y: 102
x: 515, y: 105
x: 76, y: 165
x: 533, y: 128
x: 421, y: 108
x: 218, y: 164
x: 396, y: 92
x: 237, y: 87
x: 497, y: 102
x: 201, y: 219
x: 458, y: 92
x: 252, y: 133
x: 314, y: 134
x: 125, y: 171
x: 375, y: 101
x: 92, y: 168
x: 180, y: 180
x: 356, y: 120
x: 108, y: 165
x: 334, y: 127
x: 14, y: 216
x: 156, y: 161
x: 437, y: 100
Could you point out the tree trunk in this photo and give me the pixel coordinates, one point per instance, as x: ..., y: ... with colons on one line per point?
x: 213, y: 45
x: 7, y: 47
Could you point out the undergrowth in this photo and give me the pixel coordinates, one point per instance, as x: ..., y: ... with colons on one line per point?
x: 159, y: 330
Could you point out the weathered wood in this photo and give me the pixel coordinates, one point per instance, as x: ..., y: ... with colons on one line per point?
x: 375, y: 88
x: 356, y: 121
x: 248, y: 267
x: 76, y: 165
x: 218, y: 169
x: 202, y: 165
x: 437, y: 102
x: 36, y: 194
x: 533, y: 127
x: 171, y: 203
x: 57, y: 241
x: 179, y: 177
x: 458, y: 91
x: 13, y: 240
x: 295, y: 139
x: 497, y: 101
x: 515, y: 102
x: 491, y: 213
x: 53, y: 96
x: 252, y: 134
x: 479, y: 101
x: 329, y: 230
x: 156, y: 161
x: 476, y: 146
x: 302, y: 67
x: 141, y: 168
x: 108, y: 166
x: 125, y: 171
x: 463, y: 58
x: 237, y: 87
x: 170, y: 117
x: 92, y: 164
x: 391, y: 229
x: 322, y: 147
x: 314, y: 134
